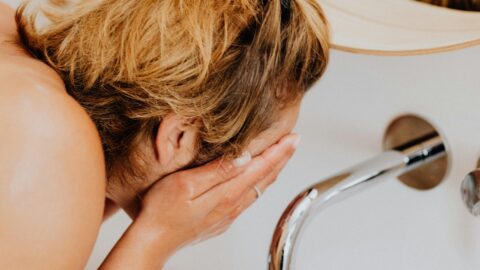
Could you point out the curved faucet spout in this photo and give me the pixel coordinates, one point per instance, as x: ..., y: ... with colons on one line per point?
x: 309, y: 202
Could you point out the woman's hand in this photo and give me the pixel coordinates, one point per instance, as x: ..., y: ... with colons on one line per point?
x: 197, y: 204
x: 194, y: 205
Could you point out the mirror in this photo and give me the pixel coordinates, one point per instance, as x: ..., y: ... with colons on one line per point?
x: 402, y: 27
x: 467, y: 5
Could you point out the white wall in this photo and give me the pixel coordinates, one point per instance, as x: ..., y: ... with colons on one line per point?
x: 389, y: 226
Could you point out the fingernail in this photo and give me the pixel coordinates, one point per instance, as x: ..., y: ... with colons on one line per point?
x: 243, y: 159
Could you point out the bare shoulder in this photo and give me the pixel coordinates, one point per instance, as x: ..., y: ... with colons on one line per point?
x: 52, y: 177
x: 7, y: 23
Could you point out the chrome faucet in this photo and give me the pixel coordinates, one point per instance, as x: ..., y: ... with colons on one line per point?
x: 471, y: 192
x: 392, y: 163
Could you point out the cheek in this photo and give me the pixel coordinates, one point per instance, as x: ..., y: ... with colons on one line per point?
x: 270, y: 137
x: 288, y: 121
x: 291, y: 117
x: 284, y: 126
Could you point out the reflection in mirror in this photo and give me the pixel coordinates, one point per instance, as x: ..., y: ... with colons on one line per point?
x: 469, y: 5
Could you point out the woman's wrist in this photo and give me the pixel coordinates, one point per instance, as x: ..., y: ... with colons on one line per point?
x: 155, y: 238
x: 142, y: 246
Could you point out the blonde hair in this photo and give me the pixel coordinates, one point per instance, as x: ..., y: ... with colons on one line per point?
x: 228, y: 65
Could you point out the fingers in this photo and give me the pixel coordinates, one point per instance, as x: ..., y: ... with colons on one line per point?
x: 205, y: 177
x: 250, y: 197
x: 270, y: 162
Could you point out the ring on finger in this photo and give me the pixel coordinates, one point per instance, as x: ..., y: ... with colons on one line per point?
x: 257, y: 191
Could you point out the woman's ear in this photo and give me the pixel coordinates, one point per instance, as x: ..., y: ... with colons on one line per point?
x: 175, y: 143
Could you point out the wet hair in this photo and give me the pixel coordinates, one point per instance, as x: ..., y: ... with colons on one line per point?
x: 228, y: 66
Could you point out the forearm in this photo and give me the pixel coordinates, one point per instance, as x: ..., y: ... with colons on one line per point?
x: 140, y: 247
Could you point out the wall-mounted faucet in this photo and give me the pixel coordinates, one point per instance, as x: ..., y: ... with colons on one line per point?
x: 415, y: 153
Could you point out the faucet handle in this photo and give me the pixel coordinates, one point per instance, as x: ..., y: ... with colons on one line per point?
x: 471, y: 192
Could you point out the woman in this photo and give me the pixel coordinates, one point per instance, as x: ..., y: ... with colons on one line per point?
x: 178, y: 112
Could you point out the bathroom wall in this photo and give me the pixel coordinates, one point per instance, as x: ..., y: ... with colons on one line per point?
x: 388, y: 226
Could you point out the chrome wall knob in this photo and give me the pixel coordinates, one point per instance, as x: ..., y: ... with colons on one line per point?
x: 471, y: 192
